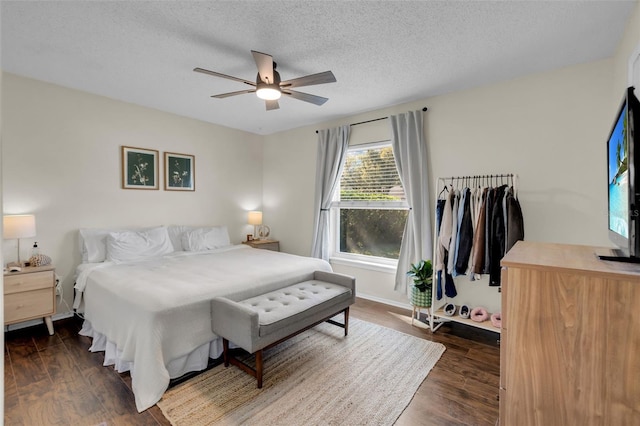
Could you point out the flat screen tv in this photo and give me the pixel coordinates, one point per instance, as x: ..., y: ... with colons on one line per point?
x: 623, y: 173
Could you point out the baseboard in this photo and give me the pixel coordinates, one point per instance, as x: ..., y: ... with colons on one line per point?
x: 385, y: 301
x: 31, y: 323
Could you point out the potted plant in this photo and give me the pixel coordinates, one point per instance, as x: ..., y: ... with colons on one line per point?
x: 422, y: 278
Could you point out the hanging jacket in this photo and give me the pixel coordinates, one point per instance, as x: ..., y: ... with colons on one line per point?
x: 488, y: 230
x: 497, y: 238
x: 477, y: 262
x: 465, y: 236
x: 460, y: 214
x: 445, y: 234
x: 454, y: 229
x: 439, y: 211
x: 449, y: 209
x: 515, y: 222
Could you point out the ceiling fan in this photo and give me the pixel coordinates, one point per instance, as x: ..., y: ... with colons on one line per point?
x: 268, y: 85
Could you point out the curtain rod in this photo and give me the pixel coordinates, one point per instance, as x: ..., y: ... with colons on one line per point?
x: 375, y: 119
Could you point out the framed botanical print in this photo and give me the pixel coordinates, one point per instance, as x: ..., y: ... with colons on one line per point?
x: 179, y: 172
x: 139, y: 168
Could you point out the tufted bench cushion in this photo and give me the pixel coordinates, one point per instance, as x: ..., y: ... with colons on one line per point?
x: 261, y: 321
x: 294, y: 303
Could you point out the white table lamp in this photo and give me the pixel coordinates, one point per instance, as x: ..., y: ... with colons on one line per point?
x: 255, y: 219
x: 18, y: 226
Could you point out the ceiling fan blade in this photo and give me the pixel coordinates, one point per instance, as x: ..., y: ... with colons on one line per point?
x: 272, y: 105
x: 264, y: 63
x: 217, y: 74
x: 226, y: 95
x: 310, y: 80
x: 317, y: 100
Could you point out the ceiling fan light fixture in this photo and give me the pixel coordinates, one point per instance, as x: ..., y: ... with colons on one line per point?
x: 268, y: 92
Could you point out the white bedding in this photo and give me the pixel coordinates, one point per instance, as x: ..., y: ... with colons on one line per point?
x: 153, y: 316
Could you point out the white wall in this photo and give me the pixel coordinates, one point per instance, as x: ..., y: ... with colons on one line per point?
x: 549, y: 129
x: 61, y: 162
x: 629, y: 45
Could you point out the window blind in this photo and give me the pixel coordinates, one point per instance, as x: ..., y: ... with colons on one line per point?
x: 370, y: 179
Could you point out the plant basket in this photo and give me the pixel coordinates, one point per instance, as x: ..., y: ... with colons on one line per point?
x: 421, y: 298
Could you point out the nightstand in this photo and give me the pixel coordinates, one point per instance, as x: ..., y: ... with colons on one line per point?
x: 30, y: 294
x: 264, y: 244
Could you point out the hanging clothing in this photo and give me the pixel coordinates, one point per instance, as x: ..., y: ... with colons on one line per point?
x: 439, y: 211
x: 444, y: 238
x: 463, y: 198
x: 465, y: 236
x: 454, y: 229
x: 515, y: 221
x: 477, y: 263
x: 474, y: 230
x: 449, y: 284
x: 488, y: 230
x: 497, y: 238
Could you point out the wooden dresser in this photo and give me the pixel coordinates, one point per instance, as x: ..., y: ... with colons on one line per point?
x: 30, y: 294
x: 570, y: 342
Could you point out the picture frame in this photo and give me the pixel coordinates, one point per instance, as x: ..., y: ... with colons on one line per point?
x: 139, y: 168
x: 179, y: 172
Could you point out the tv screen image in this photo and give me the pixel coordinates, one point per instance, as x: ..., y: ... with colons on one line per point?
x: 619, y: 177
x: 623, y: 181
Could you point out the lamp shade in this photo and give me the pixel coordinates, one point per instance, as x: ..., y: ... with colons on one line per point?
x: 255, y: 218
x: 18, y: 226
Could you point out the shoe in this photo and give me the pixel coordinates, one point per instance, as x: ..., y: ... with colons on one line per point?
x: 449, y: 309
x: 465, y: 311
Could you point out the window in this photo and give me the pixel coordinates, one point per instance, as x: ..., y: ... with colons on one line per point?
x: 369, y: 210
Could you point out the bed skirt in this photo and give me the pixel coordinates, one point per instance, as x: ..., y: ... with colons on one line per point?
x: 196, y: 360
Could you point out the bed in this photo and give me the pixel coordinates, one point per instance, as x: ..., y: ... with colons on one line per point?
x: 145, y: 296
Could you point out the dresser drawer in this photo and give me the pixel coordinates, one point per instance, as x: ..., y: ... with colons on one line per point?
x: 29, y: 304
x: 27, y: 282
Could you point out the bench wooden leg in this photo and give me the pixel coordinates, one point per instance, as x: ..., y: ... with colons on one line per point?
x: 346, y: 321
x: 259, y: 368
x: 225, y: 352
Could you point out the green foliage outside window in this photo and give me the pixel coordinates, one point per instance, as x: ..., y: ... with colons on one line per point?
x: 370, y: 175
x: 372, y: 232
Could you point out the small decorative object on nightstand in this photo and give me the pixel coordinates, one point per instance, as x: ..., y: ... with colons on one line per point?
x: 264, y: 244
x: 29, y: 294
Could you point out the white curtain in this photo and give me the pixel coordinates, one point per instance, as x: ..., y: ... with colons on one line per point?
x: 410, y: 152
x: 332, y: 150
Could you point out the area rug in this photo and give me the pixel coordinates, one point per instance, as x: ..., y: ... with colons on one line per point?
x: 316, y: 378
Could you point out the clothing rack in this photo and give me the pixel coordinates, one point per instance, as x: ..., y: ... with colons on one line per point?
x: 480, y: 180
x: 474, y: 293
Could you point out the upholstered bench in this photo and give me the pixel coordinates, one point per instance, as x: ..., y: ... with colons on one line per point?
x: 265, y: 320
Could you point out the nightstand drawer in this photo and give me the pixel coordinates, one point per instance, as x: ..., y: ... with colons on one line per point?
x: 27, y: 282
x: 29, y: 304
x: 272, y: 245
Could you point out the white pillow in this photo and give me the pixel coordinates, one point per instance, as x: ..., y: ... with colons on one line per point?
x: 205, y: 238
x: 93, y: 242
x: 137, y: 245
x: 175, y: 234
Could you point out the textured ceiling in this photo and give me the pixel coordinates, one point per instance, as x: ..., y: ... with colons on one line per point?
x: 381, y: 52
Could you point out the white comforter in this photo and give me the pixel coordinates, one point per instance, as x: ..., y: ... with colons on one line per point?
x: 158, y: 310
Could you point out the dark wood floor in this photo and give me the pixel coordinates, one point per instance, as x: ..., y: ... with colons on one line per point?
x: 54, y: 380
